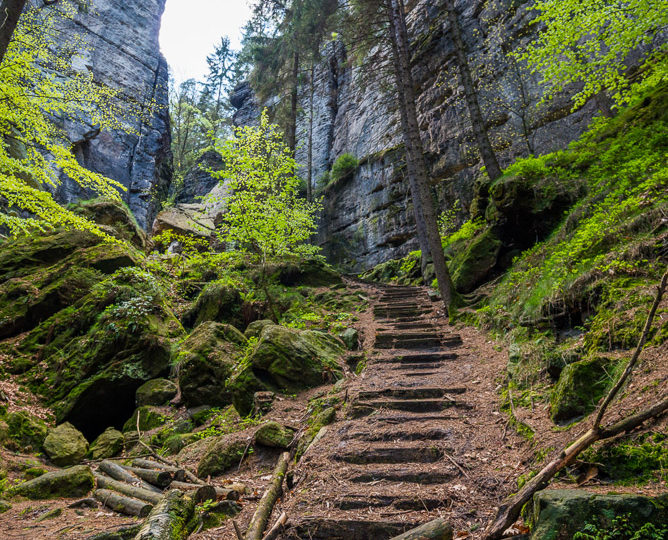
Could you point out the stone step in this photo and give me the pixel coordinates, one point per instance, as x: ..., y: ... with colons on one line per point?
x: 412, y: 405
x: 339, y: 528
x: 398, y: 502
x: 391, y: 454
x: 430, y: 434
x: 409, y: 393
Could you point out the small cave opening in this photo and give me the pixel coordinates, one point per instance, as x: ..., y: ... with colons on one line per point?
x: 104, y: 404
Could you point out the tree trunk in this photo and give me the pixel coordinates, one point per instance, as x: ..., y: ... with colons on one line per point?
x: 126, y: 489
x: 294, y: 102
x: 264, y: 509
x: 477, y: 122
x: 309, y: 176
x: 10, y: 12
x: 160, y: 479
x: 178, y: 473
x: 434, y: 530
x: 201, y: 493
x: 169, y: 519
x: 227, y: 494
x: 122, y: 505
x: 414, y: 147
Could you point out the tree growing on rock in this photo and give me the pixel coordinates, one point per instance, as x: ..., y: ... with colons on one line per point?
x: 265, y: 217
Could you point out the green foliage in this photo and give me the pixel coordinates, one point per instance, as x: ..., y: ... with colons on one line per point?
x: 39, y: 83
x: 343, y: 167
x: 588, y: 41
x: 447, y: 221
x: 621, y: 528
x: 265, y: 216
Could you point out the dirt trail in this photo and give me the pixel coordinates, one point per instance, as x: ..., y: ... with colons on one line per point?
x: 422, y: 437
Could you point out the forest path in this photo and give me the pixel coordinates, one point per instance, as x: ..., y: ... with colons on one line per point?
x: 422, y: 436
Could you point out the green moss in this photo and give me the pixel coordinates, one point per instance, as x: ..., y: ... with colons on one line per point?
x: 73, y: 482
x: 274, y: 435
x: 26, y: 431
x: 218, y: 302
x: 149, y: 418
x: 222, y: 455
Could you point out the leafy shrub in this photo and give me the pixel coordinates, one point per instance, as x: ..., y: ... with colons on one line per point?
x: 344, y: 166
x: 621, y: 529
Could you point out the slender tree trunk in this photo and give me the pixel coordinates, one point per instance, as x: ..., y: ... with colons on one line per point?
x: 414, y: 147
x: 294, y: 102
x: 479, y: 130
x: 10, y: 12
x: 309, y: 178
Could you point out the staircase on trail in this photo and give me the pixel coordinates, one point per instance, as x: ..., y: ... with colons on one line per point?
x: 386, y: 468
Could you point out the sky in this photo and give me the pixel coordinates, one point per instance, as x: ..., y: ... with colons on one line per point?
x: 191, y: 29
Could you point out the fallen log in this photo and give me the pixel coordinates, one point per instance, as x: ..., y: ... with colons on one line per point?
x: 200, y: 493
x: 119, y: 473
x: 266, y: 506
x: 438, y: 529
x: 278, y: 526
x: 160, y: 479
x: 120, y: 533
x: 121, y: 504
x: 169, y: 519
x: 135, y: 492
x: 178, y: 473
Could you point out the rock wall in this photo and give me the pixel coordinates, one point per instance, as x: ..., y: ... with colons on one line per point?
x: 122, y: 51
x: 368, y: 217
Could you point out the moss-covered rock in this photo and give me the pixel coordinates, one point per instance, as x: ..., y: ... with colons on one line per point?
x: 581, y: 385
x: 107, y: 445
x: 560, y: 513
x: 286, y: 359
x: 274, y: 435
x: 317, y: 423
x: 223, y: 454
x: 156, y: 392
x: 351, y: 337
x: 73, y: 482
x: 218, y: 302
x: 88, y: 360
x: 207, y: 361
x: 149, y: 418
x: 65, y: 445
x: 26, y: 431
x: 312, y: 273
x: 255, y: 328
x: 474, y: 265
x: 114, y: 218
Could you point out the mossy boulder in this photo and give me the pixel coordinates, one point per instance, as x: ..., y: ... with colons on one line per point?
x: 311, y: 273
x: 207, y: 361
x: 274, y: 435
x: 560, y: 513
x: 580, y: 386
x: 218, y: 302
x: 26, y: 431
x: 224, y: 453
x: 319, y: 421
x: 351, y: 337
x: 114, y: 218
x: 109, y: 444
x: 65, y: 445
x: 289, y: 360
x: 255, y: 328
x: 89, y: 359
x: 474, y: 265
x: 156, y: 392
x: 149, y: 418
x: 72, y: 482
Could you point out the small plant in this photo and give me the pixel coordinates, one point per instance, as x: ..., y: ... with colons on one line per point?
x: 344, y: 166
x: 621, y: 528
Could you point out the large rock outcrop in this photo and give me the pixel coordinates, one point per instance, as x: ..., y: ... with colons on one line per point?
x: 368, y: 217
x: 120, y: 48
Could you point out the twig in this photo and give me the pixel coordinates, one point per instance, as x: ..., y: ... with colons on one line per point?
x: 457, y: 465
x: 243, y: 456
x: 237, y: 530
x: 276, y: 529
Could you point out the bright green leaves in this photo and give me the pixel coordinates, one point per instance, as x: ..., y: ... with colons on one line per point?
x: 588, y: 42
x: 41, y: 83
x: 264, y: 213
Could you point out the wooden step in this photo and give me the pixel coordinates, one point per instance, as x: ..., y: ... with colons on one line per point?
x: 417, y: 358
x: 338, y: 528
x: 431, y: 434
x: 411, y: 344
x: 406, y: 502
x: 412, y: 405
x: 369, y: 473
x: 409, y: 393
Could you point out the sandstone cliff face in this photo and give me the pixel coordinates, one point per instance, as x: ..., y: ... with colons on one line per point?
x: 122, y: 51
x: 368, y: 217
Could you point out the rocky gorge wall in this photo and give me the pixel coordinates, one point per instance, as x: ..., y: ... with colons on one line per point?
x: 121, y: 49
x: 368, y: 217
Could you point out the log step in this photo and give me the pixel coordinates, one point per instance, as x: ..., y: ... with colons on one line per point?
x: 392, y: 454
x: 409, y: 393
x: 356, y: 502
x: 328, y: 528
x: 412, y: 344
x: 412, y: 405
x: 417, y: 358
x: 407, y: 476
x: 434, y: 434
